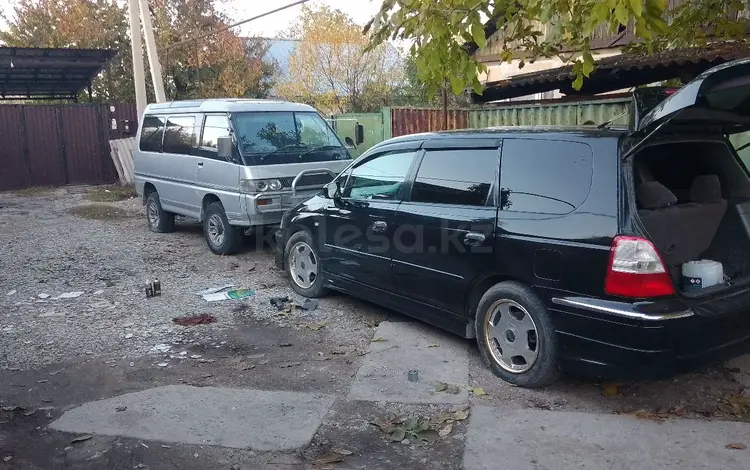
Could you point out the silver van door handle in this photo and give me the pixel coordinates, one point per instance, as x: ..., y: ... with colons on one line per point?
x: 473, y: 239
x: 379, y: 226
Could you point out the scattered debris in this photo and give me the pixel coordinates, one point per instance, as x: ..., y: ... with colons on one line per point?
x: 214, y: 290
x: 144, y: 445
x: 153, y: 288
x: 316, y: 326
x: 193, y: 320
x: 477, y: 391
x: 434, y: 346
x: 397, y: 429
x: 228, y: 295
x: 342, y: 451
x: 44, y: 296
x: 256, y: 356
x: 163, y: 364
x: 160, y: 348
x: 55, y: 372
x: 29, y: 413
x: 43, y: 381
x: 196, y: 356
x: 67, y: 295
x: 330, y: 457
x: 445, y: 432
x: 736, y: 446
x: 11, y: 292
x: 447, y: 388
x: 251, y: 269
x: 288, y: 364
x: 377, y: 340
x: 132, y: 364
x: 128, y: 335
x: 13, y: 408
x: 121, y: 408
x: 284, y: 345
x: 413, y: 376
x: 99, y: 292
x: 85, y: 437
x: 280, y: 302
x: 7, y: 458
x: 306, y: 304
x: 610, y: 389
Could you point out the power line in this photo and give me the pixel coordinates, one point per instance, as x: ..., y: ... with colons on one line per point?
x: 224, y: 28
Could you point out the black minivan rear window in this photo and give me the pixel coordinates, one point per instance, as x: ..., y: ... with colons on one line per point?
x: 545, y: 176
x: 462, y: 177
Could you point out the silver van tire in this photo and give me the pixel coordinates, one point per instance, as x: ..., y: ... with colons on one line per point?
x: 159, y: 220
x: 516, y: 337
x: 302, y: 264
x: 222, y: 238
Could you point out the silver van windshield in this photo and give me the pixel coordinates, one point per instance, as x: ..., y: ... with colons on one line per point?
x: 278, y: 137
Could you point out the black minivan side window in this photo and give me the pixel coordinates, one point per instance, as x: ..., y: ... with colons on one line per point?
x: 152, y: 133
x: 545, y: 176
x: 214, y: 126
x: 380, y: 177
x: 461, y: 177
x: 180, y: 135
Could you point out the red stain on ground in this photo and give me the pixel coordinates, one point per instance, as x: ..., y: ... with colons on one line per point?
x: 194, y: 320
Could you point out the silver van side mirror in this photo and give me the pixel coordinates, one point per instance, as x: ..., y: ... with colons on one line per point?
x: 224, y: 145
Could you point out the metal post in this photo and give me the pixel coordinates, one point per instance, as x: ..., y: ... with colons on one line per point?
x: 137, y: 48
x: 153, y: 55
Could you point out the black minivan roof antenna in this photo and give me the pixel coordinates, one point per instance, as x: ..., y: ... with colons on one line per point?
x: 607, y: 123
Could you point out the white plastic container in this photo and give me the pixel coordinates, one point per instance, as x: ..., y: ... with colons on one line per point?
x: 697, y: 275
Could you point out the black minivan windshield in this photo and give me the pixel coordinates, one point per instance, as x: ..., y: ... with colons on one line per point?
x: 279, y: 137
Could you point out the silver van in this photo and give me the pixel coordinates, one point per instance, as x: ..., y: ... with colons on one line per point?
x: 234, y: 164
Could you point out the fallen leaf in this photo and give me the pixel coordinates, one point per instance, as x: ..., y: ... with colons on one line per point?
x: 610, y: 389
x: 377, y: 340
x: 742, y: 400
x: 121, y: 408
x: 398, y: 435
x: 445, y: 432
x: 8, y: 458
x: 85, y: 437
x: 441, y: 386
x: 330, y: 457
x: 434, y: 346
x: 453, y: 389
x: 316, y: 326
x: 460, y: 415
x: 736, y: 446
x: 428, y: 435
x: 649, y: 415
x: 342, y: 451
x: 477, y: 391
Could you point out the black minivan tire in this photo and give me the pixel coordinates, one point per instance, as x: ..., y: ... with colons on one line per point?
x: 521, y: 301
x: 159, y: 220
x: 301, y: 244
x: 216, y: 224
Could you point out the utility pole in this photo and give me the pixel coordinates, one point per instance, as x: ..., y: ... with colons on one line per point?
x: 137, y: 48
x: 153, y: 54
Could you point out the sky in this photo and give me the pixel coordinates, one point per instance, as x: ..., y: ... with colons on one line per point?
x: 270, y: 26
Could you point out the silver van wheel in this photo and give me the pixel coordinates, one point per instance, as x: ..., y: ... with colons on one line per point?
x: 216, y: 230
x: 303, y: 265
x: 512, y: 336
x: 153, y: 214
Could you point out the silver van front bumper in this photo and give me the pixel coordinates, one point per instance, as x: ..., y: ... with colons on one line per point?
x: 267, y: 208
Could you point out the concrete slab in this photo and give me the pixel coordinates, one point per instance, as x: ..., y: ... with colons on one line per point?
x: 412, y: 346
x: 255, y: 419
x: 534, y: 439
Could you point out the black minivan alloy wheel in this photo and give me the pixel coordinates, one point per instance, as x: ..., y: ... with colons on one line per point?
x: 303, y: 265
x: 516, y: 337
x: 159, y: 220
x: 222, y: 238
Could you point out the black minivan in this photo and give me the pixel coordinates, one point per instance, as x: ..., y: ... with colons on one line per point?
x: 556, y: 248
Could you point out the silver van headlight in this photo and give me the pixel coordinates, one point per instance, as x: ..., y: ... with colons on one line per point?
x: 259, y: 186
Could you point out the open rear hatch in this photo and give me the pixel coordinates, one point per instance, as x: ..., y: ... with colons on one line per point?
x: 692, y: 190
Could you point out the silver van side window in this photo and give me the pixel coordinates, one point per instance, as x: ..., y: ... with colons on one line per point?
x: 179, y: 137
x: 152, y: 133
x: 214, y: 126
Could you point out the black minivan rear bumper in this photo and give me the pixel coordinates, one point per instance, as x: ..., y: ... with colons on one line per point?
x: 609, y: 344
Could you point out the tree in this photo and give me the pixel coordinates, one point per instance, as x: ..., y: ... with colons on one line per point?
x: 221, y: 65
x: 329, y: 68
x: 442, y: 31
x: 414, y: 92
x: 98, y: 24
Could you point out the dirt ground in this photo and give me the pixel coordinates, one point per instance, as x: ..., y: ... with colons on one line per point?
x: 57, y: 353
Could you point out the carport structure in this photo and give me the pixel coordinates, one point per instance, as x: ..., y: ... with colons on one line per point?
x: 61, y: 142
x: 49, y: 73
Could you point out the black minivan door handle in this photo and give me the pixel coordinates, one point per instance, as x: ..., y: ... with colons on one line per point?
x: 473, y: 239
x: 379, y: 226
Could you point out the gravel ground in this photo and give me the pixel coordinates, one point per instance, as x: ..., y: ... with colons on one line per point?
x: 48, y: 251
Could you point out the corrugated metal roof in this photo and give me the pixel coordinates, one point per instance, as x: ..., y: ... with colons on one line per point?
x: 618, y: 72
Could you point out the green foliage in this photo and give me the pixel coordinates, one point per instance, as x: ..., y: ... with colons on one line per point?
x: 440, y: 29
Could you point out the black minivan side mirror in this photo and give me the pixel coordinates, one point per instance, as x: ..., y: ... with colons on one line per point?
x: 349, y: 142
x: 332, y: 190
x: 224, y: 146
